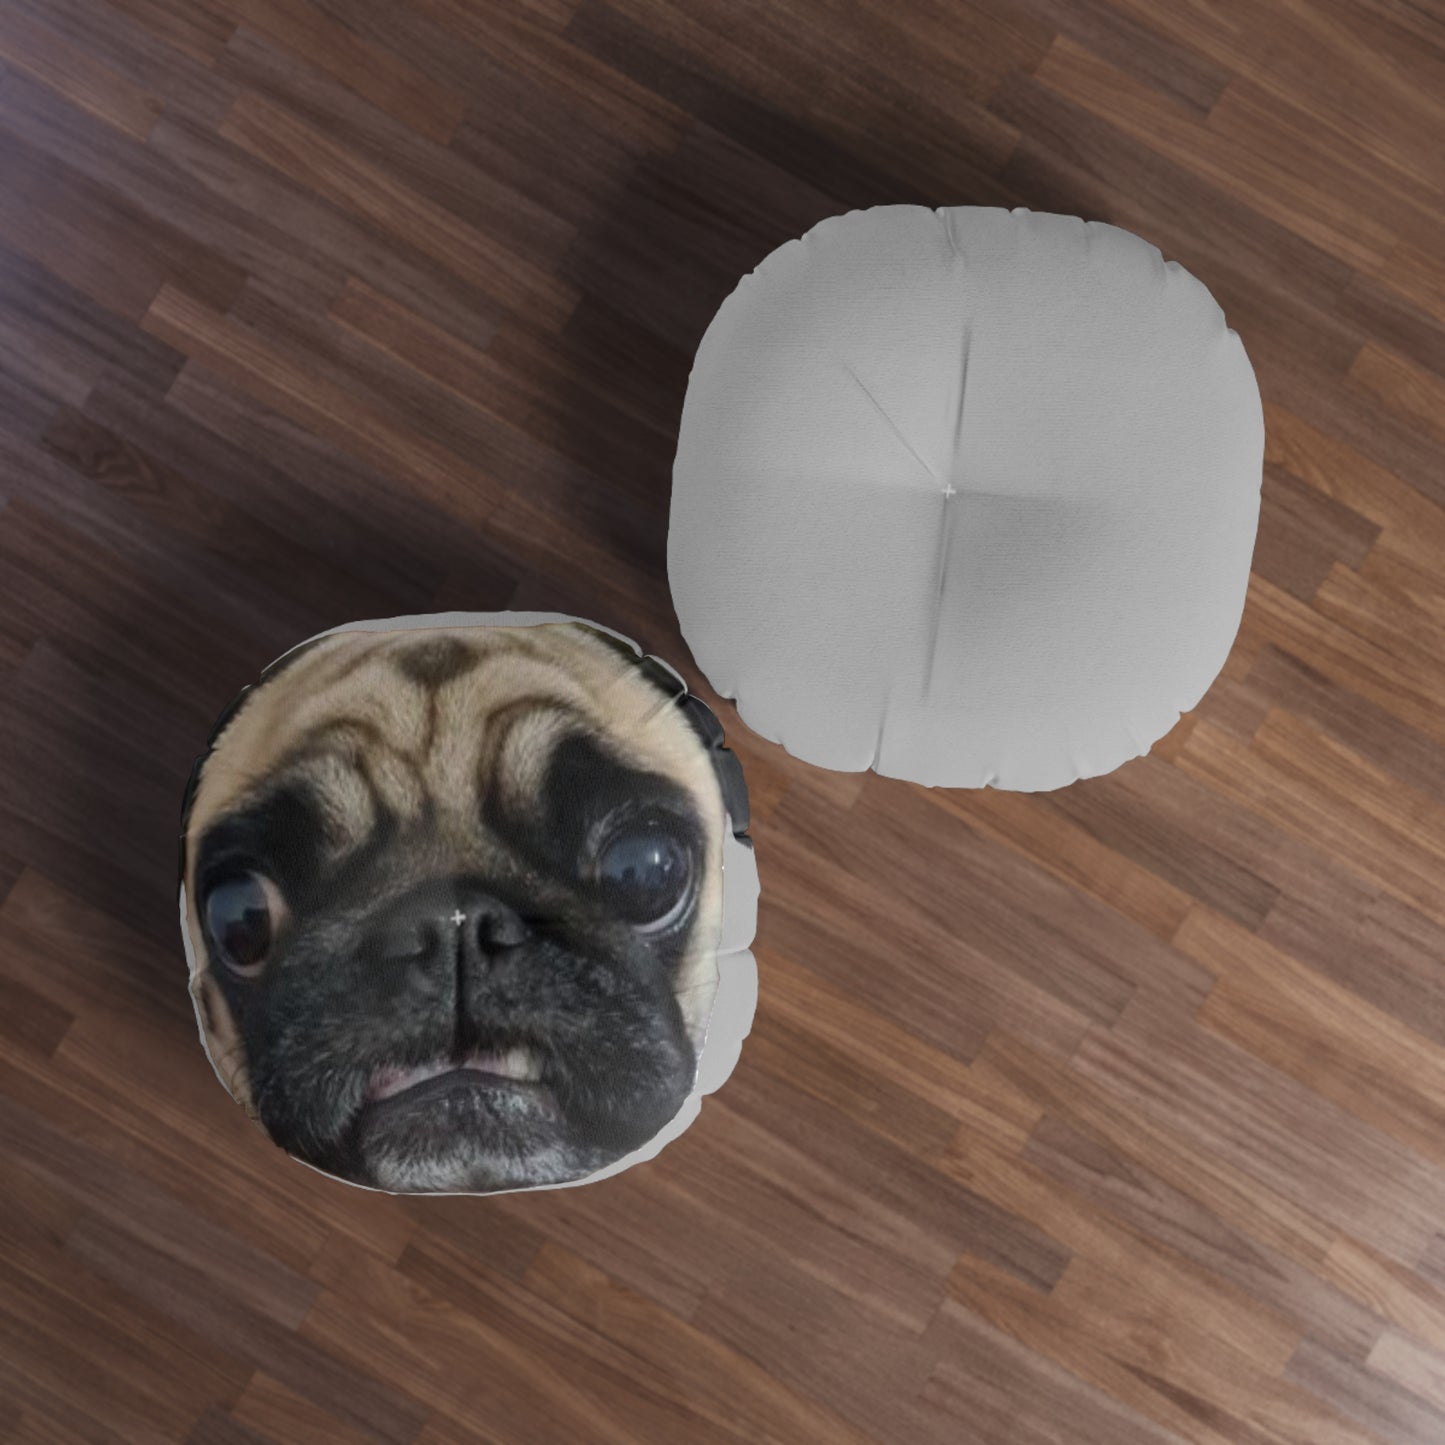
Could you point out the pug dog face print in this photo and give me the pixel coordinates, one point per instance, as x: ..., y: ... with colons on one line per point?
x: 453, y: 901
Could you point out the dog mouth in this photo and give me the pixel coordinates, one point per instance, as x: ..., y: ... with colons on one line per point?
x: 510, y: 1115
x: 485, y: 1121
x: 520, y: 1065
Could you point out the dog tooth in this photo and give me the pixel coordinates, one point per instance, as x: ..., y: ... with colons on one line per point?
x: 522, y: 1063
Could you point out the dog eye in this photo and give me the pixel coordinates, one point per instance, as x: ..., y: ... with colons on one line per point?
x: 646, y: 872
x: 243, y: 913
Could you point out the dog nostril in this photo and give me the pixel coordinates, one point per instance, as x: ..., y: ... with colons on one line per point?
x: 498, y: 928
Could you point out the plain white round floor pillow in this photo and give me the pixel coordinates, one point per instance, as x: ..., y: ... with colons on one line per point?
x: 967, y: 496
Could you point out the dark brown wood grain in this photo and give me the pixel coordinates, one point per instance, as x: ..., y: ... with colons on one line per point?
x: 1111, y: 1116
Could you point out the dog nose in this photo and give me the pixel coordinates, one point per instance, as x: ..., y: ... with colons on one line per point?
x: 437, y: 920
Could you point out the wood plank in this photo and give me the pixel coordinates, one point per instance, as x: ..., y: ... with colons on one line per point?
x: 1319, y: 1032
x: 1390, y: 1414
x: 1272, y: 183
x: 35, y: 49
x: 183, y: 88
x: 1164, y: 846
x: 318, y: 163
x: 387, y: 81
x: 829, y: 1014
x: 1414, y: 272
x: 256, y: 63
x: 1410, y: 525
x: 1303, y: 534
x: 725, y: 1388
x: 1404, y: 388
x: 1177, y: 1389
x: 999, y: 1389
x: 1074, y: 852
x: 99, y: 242
x: 1392, y: 1290
x: 263, y: 371
x: 1147, y: 1177
x: 1409, y: 1363
x: 1322, y: 792
x: 1280, y: 1131
x: 61, y: 343
x: 194, y: 31
x: 1279, y: 680
x: 453, y: 363
x: 1366, y: 664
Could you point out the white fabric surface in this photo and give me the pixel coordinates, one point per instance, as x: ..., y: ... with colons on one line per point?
x: 968, y: 496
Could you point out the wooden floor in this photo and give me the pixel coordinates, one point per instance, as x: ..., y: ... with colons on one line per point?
x: 1113, y: 1116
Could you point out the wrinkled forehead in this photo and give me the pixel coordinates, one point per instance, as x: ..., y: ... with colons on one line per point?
x: 422, y: 718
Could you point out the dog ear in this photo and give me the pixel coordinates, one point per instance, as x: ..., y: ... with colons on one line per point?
x: 725, y: 764
x: 664, y: 680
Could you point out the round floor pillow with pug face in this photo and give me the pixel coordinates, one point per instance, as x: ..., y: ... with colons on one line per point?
x: 453, y: 898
